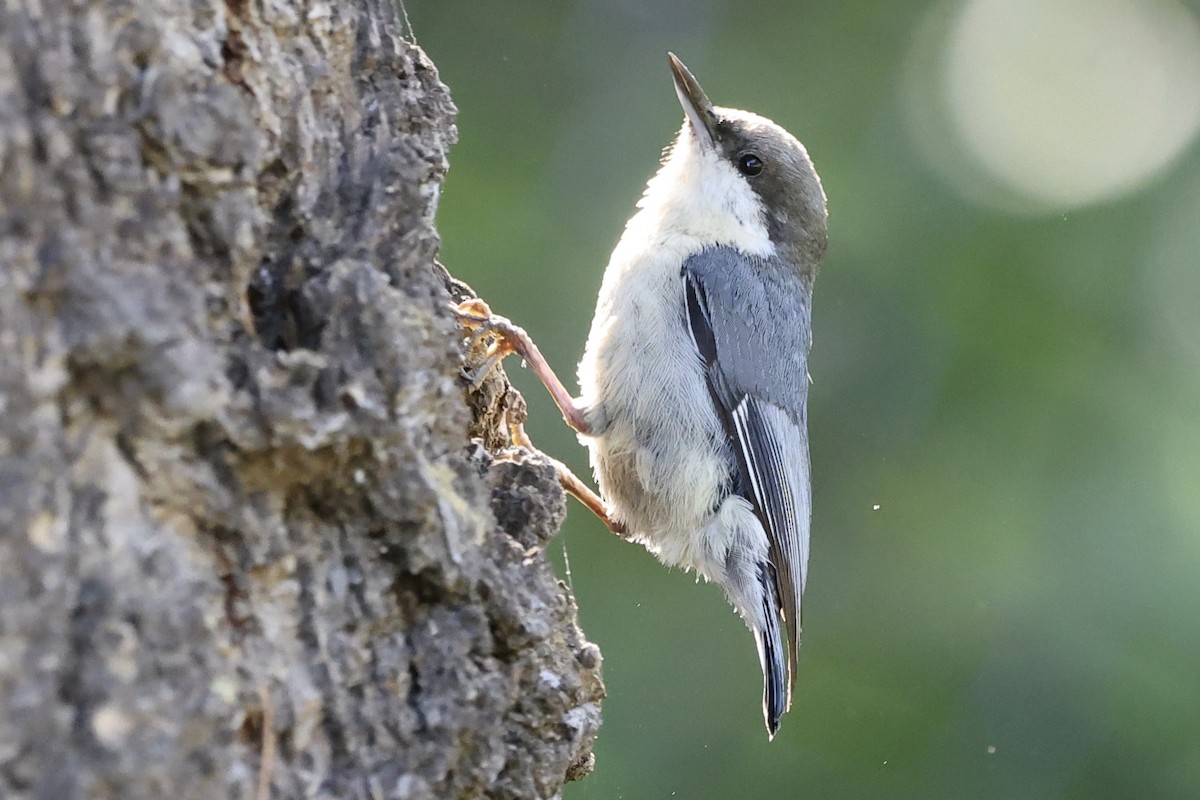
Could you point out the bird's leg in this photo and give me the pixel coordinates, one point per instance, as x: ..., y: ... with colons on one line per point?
x: 591, y: 501
x: 570, y: 482
x: 475, y: 315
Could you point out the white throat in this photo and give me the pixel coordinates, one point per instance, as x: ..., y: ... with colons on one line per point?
x: 698, y: 195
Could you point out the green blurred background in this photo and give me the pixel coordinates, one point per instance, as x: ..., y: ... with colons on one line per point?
x: 1004, y: 599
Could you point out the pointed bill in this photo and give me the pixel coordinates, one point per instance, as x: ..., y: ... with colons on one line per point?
x: 695, y: 102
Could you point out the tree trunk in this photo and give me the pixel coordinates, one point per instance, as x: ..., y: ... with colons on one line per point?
x: 248, y: 546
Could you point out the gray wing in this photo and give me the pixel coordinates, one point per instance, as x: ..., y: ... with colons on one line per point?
x: 751, y: 321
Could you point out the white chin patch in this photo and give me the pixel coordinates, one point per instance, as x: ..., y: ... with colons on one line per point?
x: 699, y: 194
x: 714, y: 202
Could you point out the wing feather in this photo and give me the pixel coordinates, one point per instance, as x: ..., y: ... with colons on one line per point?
x: 775, y: 451
x: 756, y: 371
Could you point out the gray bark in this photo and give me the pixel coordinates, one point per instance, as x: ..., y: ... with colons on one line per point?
x: 248, y: 547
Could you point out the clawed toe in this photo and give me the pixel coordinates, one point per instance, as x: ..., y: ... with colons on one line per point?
x: 475, y: 377
x: 489, y: 338
x: 477, y: 319
x: 472, y: 313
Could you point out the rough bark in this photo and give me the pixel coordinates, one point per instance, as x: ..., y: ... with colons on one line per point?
x: 247, y: 548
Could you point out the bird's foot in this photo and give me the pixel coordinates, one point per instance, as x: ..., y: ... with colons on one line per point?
x: 491, y: 336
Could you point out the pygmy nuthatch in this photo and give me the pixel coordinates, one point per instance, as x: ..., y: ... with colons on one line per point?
x: 695, y: 377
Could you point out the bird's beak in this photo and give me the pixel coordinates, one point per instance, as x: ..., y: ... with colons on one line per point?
x: 695, y: 102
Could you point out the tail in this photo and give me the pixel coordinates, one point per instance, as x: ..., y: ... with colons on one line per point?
x: 777, y: 693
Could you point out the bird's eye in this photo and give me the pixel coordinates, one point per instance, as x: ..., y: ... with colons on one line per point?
x: 749, y: 164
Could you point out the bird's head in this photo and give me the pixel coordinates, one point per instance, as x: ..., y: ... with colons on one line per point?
x: 739, y: 179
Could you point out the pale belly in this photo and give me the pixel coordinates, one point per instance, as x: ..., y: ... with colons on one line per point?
x: 661, y: 462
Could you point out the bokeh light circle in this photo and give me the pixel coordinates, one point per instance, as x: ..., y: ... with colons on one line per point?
x: 1056, y: 104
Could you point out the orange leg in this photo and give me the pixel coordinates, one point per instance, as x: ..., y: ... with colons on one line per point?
x: 580, y: 491
x: 571, y: 483
x: 475, y: 315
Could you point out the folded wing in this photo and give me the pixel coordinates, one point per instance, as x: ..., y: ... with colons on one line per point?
x: 751, y: 322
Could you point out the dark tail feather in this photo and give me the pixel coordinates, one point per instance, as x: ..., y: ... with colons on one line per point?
x: 776, y: 692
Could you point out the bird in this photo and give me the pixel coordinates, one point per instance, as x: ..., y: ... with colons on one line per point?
x: 694, y: 379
